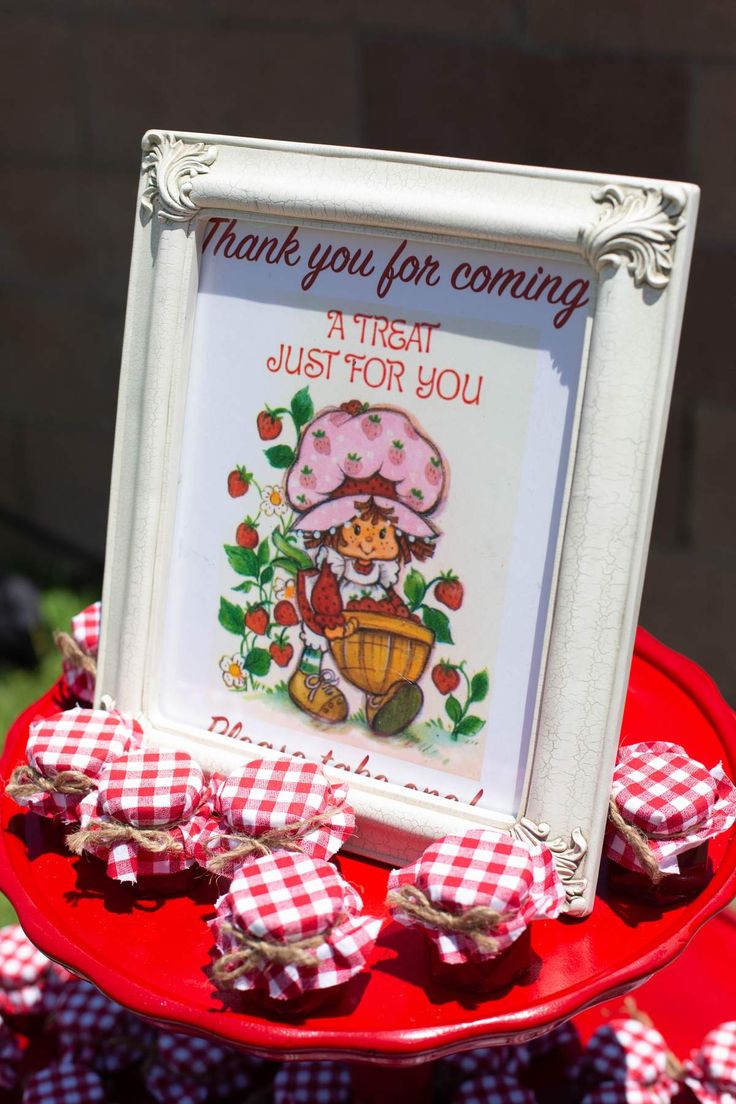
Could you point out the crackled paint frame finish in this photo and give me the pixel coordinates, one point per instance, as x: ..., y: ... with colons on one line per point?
x: 635, y: 234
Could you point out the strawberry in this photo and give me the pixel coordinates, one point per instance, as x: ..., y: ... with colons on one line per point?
x: 433, y: 471
x: 449, y: 591
x: 321, y: 442
x: 238, y: 482
x: 326, y: 592
x: 353, y: 407
x: 285, y: 614
x: 269, y: 426
x: 353, y: 464
x: 371, y: 426
x: 246, y: 534
x: 256, y: 619
x: 445, y: 677
x: 307, y: 478
x: 396, y: 453
x: 281, y: 653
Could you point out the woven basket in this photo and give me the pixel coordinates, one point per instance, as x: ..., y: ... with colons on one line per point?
x: 383, y: 650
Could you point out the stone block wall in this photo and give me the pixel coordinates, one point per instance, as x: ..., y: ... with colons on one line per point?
x: 641, y: 86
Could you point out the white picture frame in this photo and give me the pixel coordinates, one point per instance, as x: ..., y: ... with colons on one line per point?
x: 632, y: 236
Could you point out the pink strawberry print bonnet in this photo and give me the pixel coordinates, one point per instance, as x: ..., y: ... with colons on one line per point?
x: 376, y: 451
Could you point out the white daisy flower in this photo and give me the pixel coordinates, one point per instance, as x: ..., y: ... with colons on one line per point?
x: 233, y: 671
x: 273, y: 501
x: 285, y: 589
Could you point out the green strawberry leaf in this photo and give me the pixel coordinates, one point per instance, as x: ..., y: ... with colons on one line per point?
x: 478, y: 687
x: 244, y: 587
x: 263, y: 552
x: 267, y: 575
x: 301, y: 559
x: 243, y: 560
x: 415, y: 587
x: 453, y: 709
x: 282, y: 564
x: 439, y: 623
x: 258, y: 662
x: 302, y: 408
x: 469, y: 726
x: 231, y: 617
x: 280, y: 456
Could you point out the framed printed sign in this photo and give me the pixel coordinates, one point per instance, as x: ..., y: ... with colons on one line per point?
x: 385, y: 466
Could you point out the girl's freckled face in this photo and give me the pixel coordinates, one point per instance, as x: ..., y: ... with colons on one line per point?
x: 362, y: 540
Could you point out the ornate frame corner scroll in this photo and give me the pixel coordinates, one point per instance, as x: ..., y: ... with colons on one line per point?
x: 169, y: 166
x: 568, y: 857
x: 640, y: 225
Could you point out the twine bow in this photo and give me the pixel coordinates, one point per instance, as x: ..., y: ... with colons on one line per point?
x: 254, y: 953
x: 154, y: 840
x: 72, y: 652
x: 277, y: 839
x: 638, y: 841
x: 475, y: 922
x: 26, y: 781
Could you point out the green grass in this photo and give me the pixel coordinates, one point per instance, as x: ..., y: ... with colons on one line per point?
x: 19, y: 688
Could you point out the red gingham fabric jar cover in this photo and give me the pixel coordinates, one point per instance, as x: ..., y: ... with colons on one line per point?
x: 288, y: 897
x: 185, y: 1069
x: 269, y: 794
x: 64, y: 1083
x: 313, y: 1083
x: 10, y: 1058
x: 676, y: 801
x: 24, y: 973
x: 519, y: 880
x: 86, y: 633
x: 710, y: 1072
x: 493, y: 1088
x: 148, y: 789
x: 470, y: 1064
x: 626, y: 1063
x: 94, y: 1031
x: 82, y: 740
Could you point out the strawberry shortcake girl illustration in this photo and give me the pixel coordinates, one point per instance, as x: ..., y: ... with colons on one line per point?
x: 364, y: 482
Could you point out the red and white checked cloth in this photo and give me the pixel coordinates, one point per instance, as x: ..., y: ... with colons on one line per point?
x: 492, y: 1088
x: 312, y: 1083
x: 64, y: 1083
x: 97, y: 1032
x: 80, y: 740
x: 270, y: 795
x: 24, y: 974
x: 86, y: 633
x: 519, y: 880
x: 147, y: 789
x: 10, y: 1058
x: 510, y: 1061
x: 285, y: 898
x: 626, y: 1063
x: 676, y: 801
x: 710, y: 1072
x: 188, y: 1070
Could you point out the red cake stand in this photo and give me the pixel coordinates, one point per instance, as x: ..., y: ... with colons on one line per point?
x: 153, y: 955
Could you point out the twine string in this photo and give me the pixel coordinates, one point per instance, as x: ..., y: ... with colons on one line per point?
x: 276, y: 839
x: 638, y: 840
x: 252, y: 953
x: 72, y: 652
x: 476, y: 922
x: 105, y: 834
x: 26, y: 781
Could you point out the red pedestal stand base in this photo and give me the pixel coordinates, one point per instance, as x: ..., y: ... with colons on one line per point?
x: 153, y: 955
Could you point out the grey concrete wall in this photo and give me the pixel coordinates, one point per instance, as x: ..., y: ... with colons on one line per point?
x: 632, y: 87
